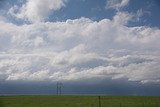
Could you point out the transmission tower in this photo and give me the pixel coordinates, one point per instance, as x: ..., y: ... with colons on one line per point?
x: 59, y: 88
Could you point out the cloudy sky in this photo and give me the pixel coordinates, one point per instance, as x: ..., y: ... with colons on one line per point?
x: 92, y: 46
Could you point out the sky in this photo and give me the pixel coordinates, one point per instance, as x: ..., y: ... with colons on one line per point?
x: 108, y: 47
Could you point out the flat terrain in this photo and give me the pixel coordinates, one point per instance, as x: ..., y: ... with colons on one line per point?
x: 79, y: 101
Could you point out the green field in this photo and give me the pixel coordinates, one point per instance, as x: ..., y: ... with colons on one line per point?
x: 79, y: 101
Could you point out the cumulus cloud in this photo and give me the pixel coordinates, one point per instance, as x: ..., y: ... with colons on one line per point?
x: 116, y: 4
x: 79, y: 49
x: 37, y: 10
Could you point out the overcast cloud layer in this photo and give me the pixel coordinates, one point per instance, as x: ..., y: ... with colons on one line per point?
x: 77, y: 49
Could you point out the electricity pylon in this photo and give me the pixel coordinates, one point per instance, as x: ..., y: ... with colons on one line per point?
x: 59, y: 88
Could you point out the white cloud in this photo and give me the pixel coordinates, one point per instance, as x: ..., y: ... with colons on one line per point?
x: 116, y: 4
x: 122, y: 18
x: 79, y: 49
x: 36, y: 10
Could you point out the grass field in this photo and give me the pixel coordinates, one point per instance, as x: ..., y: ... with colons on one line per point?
x: 79, y: 101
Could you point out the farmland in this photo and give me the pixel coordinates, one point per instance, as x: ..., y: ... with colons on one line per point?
x: 79, y: 101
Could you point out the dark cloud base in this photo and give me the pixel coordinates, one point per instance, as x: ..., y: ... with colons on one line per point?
x: 104, y: 87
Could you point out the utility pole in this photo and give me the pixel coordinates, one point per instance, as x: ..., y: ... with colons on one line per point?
x: 99, y: 100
